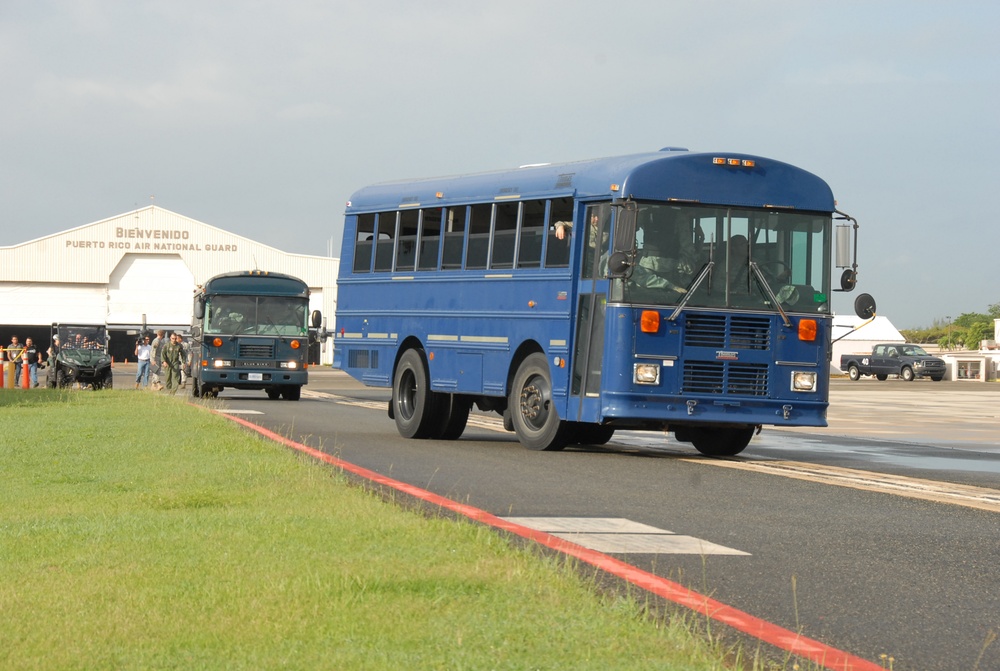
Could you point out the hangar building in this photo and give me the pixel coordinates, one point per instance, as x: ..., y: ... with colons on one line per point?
x: 144, y: 264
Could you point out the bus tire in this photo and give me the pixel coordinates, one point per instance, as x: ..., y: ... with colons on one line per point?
x: 414, y: 405
x: 532, y: 411
x: 292, y: 393
x: 721, y: 442
x: 273, y: 393
x: 453, y: 418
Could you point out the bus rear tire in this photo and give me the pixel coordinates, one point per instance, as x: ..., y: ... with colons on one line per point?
x: 721, y: 442
x: 292, y: 393
x: 532, y: 411
x: 414, y: 405
x: 454, y: 417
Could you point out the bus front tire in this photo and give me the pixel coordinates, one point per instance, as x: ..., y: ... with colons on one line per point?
x: 721, y: 442
x: 414, y: 405
x: 532, y: 411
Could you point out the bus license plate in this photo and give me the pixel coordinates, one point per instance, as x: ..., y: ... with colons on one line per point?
x: 255, y: 377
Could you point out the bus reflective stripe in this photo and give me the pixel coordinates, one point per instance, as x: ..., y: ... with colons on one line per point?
x: 557, y: 343
x: 485, y: 339
x: 403, y: 277
x: 378, y: 336
x: 352, y: 335
x: 442, y: 338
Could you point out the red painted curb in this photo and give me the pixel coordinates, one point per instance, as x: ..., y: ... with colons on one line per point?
x: 784, y: 639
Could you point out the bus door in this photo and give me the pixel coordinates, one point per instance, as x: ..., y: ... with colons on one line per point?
x: 588, y: 351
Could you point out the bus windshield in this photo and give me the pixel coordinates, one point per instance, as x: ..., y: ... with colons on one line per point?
x: 256, y: 315
x: 753, y: 258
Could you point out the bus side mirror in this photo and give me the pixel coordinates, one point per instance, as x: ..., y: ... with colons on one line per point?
x: 864, y: 306
x: 316, y: 319
x: 846, y: 236
x: 618, y: 265
x: 623, y: 250
x: 199, y: 308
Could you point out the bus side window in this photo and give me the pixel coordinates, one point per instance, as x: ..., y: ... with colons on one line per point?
x: 504, y: 235
x: 556, y: 250
x: 529, y: 254
x: 364, y: 242
x: 430, y: 239
x: 406, y: 250
x: 479, y: 236
x: 385, y: 241
x: 454, y: 237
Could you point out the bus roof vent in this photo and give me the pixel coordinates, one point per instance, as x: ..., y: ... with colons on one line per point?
x: 674, y: 149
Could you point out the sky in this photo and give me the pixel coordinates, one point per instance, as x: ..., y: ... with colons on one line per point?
x: 262, y: 118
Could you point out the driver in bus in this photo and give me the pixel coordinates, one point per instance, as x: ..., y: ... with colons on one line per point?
x: 667, y: 259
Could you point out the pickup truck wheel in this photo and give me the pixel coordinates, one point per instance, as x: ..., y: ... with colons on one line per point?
x: 853, y: 373
x: 906, y: 374
x: 937, y: 378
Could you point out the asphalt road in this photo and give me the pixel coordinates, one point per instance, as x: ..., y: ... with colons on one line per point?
x: 878, y: 535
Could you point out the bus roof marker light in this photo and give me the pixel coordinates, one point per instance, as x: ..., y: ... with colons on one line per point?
x: 748, y: 163
x: 615, y: 187
x: 439, y: 195
x: 718, y: 160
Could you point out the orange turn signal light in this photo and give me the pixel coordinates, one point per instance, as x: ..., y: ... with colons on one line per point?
x: 217, y: 342
x: 295, y: 344
x: 808, y: 330
x: 650, y: 321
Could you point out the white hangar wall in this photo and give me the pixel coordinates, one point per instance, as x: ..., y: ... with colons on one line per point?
x: 146, y: 262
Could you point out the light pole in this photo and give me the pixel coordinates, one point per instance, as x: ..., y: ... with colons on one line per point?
x: 949, y: 332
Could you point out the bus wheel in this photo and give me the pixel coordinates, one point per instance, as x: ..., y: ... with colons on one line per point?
x: 292, y: 393
x: 535, y: 420
x: 414, y: 404
x: 454, y: 416
x: 273, y: 394
x: 586, y: 433
x: 195, y: 388
x: 721, y: 442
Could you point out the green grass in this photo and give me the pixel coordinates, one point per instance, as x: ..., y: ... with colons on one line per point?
x: 140, y: 532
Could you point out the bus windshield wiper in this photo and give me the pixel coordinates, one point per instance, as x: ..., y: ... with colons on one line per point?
x: 706, y: 271
x: 766, y: 288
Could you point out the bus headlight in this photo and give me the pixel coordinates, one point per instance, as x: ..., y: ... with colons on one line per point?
x: 288, y: 364
x: 222, y: 363
x: 803, y: 381
x: 646, y: 373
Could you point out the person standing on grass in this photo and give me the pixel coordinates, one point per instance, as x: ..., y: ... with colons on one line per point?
x: 173, y: 354
x: 156, y: 358
x: 31, y: 357
x: 14, y: 352
x: 143, y: 352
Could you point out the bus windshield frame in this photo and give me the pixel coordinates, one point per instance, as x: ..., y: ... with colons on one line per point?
x: 256, y: 315
x: 673, y: 243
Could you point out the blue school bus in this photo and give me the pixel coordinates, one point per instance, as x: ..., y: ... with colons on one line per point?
x: 670, y: 290
x: 249, y: 331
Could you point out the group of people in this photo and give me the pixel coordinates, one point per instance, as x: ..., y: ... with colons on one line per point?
x: 164, y: 355
x: 23, y: 356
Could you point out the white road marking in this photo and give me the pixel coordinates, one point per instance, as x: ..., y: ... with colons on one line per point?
x: 617, y: 535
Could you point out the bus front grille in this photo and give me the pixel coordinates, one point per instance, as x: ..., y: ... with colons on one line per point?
x: 725, y: 377
x: 256, y: 351
x: 722, y: 331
